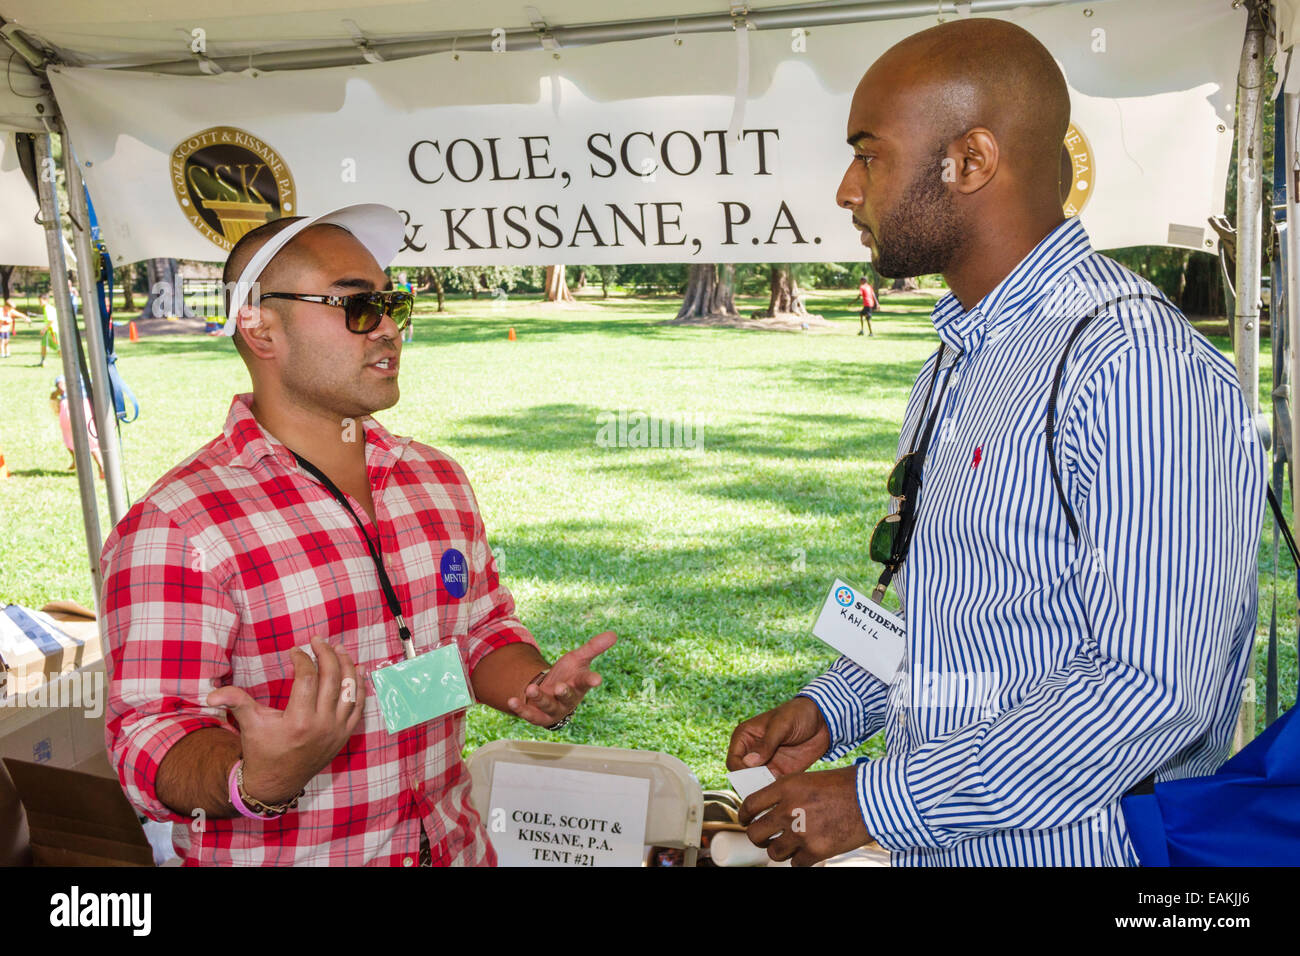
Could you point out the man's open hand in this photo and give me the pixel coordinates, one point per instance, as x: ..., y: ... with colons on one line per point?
x: 284, y: 749
x: 566, y: 683
x: 815, y: 814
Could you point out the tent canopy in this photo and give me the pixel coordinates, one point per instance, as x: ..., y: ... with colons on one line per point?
x: 149, y: 32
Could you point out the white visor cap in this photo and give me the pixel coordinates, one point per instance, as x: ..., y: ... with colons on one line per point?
x: 378, y: 227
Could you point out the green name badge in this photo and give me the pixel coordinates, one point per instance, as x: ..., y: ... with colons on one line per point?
x: 426, y: 687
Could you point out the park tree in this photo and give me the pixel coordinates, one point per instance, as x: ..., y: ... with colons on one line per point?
x: 165, y: 298
x: 710, y: 290
x: 785, y: 297
x: 607, y: 275
x: 557, y: 290
x: 126, y: 278
x: 6, y: 274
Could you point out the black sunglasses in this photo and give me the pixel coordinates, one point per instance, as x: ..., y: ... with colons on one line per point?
x: 893, y: 533
x: 363, y: 311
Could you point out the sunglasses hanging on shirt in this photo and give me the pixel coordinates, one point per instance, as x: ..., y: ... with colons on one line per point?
x: 858, y: 626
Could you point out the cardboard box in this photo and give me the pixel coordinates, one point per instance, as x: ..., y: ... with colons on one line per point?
x: 60, y: 723
x: 76, y: 814
x: 77, y: 819
x: 36, y: 646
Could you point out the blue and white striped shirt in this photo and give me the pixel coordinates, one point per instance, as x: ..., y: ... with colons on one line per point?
x: 1044, y: 676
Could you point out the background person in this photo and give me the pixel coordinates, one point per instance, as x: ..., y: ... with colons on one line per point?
x: 50, y: 331
x: 869, y: 302
x: 59, y: 405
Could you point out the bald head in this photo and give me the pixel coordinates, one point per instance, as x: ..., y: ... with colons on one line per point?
x: 957, y: 135
x: 981, y: 73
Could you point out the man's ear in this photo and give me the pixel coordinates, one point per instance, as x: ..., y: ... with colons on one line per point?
x: 973, y: 158
x: 260, y: 329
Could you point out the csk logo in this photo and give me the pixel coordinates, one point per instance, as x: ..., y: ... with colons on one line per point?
x: 229, y: 182
x: 1077, y: 179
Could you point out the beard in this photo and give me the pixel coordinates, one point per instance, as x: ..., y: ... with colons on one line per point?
x: 313, y: 379
x: 921, y: 234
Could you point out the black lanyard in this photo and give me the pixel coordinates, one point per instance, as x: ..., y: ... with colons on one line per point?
x: 408, y: 647
x: 912, y: 474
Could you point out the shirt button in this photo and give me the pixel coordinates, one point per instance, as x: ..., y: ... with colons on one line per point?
x: 407, y: 861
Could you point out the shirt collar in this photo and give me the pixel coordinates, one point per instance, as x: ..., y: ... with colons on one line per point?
x: 1017, y: 294
x: 250, y: 442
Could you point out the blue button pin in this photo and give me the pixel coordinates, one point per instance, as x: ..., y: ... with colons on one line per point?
x: 455, y: 573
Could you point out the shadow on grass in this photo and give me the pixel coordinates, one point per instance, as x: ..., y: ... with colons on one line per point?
x: 560, y: 427
x: 42, y: 473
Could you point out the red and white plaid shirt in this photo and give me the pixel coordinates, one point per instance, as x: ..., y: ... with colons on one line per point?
x: 237, y: 555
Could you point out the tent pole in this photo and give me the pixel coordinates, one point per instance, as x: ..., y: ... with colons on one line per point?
x: 1292, y: 107
x: 1250, y: 191
x: 68, y: 353
x: 100, y: 391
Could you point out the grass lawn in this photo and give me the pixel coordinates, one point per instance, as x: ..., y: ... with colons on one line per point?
x: 708, y: 563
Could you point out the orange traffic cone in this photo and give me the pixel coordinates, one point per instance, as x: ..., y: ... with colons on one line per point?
x: 512, y: 333
x: 134, y: 333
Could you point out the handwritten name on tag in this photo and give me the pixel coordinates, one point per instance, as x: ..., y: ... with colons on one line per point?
x: 869, y: 635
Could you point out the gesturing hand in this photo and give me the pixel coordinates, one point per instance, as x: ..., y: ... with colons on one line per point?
x: 566, y: 683
x: 284, y: 749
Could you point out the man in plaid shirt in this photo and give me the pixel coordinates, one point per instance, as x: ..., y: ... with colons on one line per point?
x: 239, y: 558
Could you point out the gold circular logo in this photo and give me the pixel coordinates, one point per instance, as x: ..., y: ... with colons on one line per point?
x: 1077, y: 180
x: 229, y: 182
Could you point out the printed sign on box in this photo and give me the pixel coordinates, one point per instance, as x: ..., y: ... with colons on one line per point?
x: 543, y: 816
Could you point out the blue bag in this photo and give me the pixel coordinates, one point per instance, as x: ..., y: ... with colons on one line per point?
x: 1247, y: 814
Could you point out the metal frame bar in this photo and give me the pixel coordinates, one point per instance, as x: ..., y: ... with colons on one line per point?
x: 1250, y: 204
x: 100, y: 397
x: 1291, y: 103
x: 586, y: 34
x: 49, y: 198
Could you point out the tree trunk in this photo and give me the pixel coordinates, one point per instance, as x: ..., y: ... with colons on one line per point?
x: 905, y: 285
x: 710, y: 290
x: 6, y: 273
x: 165, y: 298
x: 436, y: 279
x: 557, y: 290
x: 786, y: 299
x: 126, y: 278
x: 582, y: 280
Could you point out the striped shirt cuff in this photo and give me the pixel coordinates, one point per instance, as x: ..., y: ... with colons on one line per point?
x: 852, y: 703
x: 888, y: 810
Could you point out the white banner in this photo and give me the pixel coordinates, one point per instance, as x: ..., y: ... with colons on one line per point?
x: 621, y: 153
x: 22, y: 241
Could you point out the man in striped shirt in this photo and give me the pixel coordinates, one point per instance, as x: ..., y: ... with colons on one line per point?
x: 1046, y: 671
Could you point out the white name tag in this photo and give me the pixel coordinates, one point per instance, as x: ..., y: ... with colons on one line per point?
x: 873, y: 638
